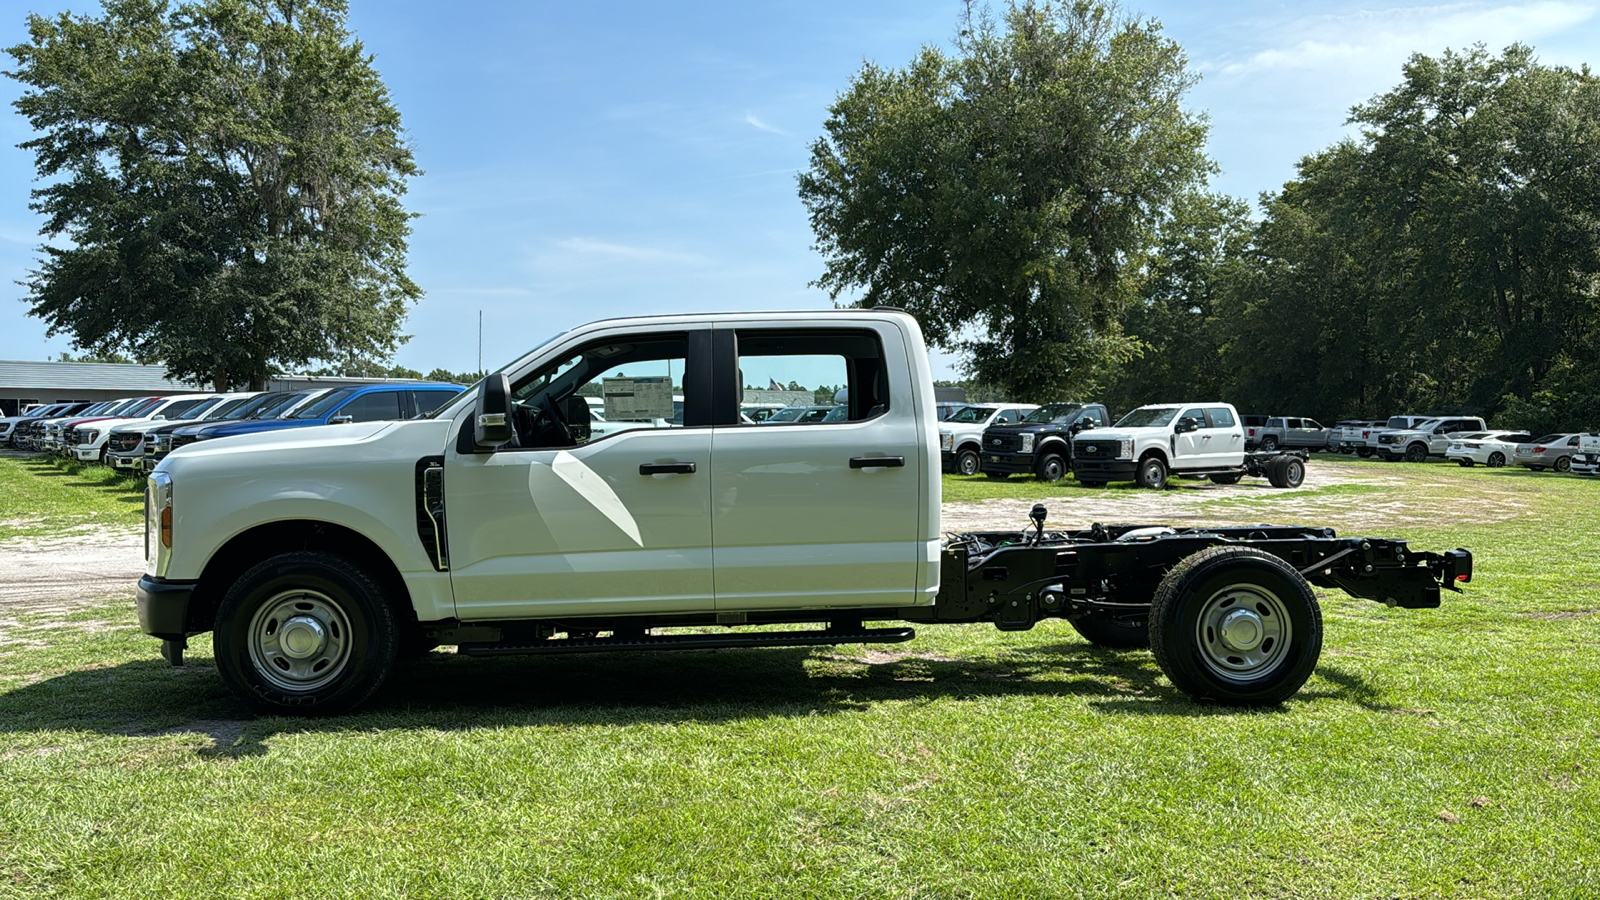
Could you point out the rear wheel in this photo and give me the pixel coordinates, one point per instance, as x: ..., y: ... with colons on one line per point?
x: 1416, y: 453
x: 1111, y: 634
x: 1269, y: 444
x: 1053, y: 467
x: 1152, y: 473
x: 305, y: 634
x: 1286, y: 472
x: 1236, y: 625
x: 1496, y: 460
x: 967, y: 462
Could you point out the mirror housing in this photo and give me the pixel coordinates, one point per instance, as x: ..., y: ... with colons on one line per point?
x: 491, y: 417
x: 1082, y: 425
x: 578, y: 419
x: 1187, y: 424
x: 341, y: 420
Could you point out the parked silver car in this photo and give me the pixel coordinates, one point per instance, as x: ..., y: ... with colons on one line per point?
x: 1553, y: 451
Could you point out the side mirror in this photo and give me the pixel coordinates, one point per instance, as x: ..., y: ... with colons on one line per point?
x: 1082, y: 425
x: 578, y: 419
x: 1187, y: 424
x: 1439, y: 430
x: 341, y: 420
x: 491, y: 420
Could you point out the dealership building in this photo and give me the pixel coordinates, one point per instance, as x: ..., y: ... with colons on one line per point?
x: 22, y: 384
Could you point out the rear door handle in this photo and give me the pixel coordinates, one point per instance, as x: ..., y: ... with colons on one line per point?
x: 876, y: 462
x: 671, y: 468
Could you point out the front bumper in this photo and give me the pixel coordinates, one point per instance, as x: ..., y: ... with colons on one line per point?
x: 164, y: 607
x: 133, y: 462
x: 1104, y: 470
x: 1008, y: 463
x: 85, y: 454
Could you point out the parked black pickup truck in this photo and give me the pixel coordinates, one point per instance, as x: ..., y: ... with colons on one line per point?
x: 1041, y: 443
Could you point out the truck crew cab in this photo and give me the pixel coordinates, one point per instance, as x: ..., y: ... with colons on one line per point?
x: 1041, y: 443
x: 1163, y: 439
x: 319, y: 557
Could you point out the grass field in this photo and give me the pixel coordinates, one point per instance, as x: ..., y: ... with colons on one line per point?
x: 42, y: 496
x: 1434, y: 753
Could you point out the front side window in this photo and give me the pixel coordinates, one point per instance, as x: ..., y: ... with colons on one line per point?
x: 630, y: 382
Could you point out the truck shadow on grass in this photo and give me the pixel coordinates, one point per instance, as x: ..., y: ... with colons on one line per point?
x: 444, y: 692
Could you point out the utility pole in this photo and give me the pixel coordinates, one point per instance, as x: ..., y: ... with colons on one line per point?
x: 480, y: 343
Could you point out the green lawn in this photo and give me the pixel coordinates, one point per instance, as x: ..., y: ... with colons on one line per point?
x: 42, y: 496
x: 1435, y: 753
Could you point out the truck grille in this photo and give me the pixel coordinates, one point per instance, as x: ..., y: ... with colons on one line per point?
x: 1003, y: 443
x: 1386, y: 438
x: 152, y: 443
x: 1089, y: 448
x: 181, y: 440
x: 123, y: 443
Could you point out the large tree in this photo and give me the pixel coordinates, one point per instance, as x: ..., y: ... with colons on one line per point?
x: 1006, y: 194
x: 222, y: 180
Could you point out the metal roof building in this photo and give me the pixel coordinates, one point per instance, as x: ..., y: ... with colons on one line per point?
x: 25, y: 383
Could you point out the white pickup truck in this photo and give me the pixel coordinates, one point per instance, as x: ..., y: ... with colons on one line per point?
x: 1587, y: 460
x: 1154, y: 442
x: 320, y: 557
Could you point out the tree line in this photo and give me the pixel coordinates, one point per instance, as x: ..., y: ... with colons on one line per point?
x: 1038, y: 199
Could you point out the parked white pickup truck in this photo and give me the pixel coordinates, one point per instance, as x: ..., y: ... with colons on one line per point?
x: 1587, y: 460
x: 319, y: 557
x: 1163, y: 439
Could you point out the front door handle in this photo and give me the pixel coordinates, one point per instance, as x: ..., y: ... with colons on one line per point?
x: 671, y: 468
x: 875, y: 462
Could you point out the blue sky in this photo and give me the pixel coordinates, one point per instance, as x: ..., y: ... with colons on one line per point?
x: 593, y: 160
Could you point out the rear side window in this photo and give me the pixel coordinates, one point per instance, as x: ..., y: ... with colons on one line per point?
x: 425, y: 402
x: 1221, y: 416
x: 377, y: 406
x: 841, y: 367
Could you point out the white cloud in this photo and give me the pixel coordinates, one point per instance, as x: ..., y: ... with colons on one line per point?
x: 606, y: 249
x: 762, y: 126
x: 1379, y: 40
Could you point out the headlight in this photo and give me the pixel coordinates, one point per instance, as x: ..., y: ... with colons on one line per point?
x: 947, y: 440
x: 1027, y: 442
x: 88, y: 437
x: 158, y: 520
x: 1125, y: 448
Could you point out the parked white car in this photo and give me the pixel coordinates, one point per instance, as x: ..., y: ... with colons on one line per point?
x: 1485, y: 448
x: 1553, y: 451
x: 961, y: 435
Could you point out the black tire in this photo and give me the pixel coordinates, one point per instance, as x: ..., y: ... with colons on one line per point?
x: 1286, y: 472
x: 998, y: 476
x: 1112, y: 635
x: 1269, y: 444
x: 1051, y: 467
x: 1091, y: 483
x: 1364, y: 452
x: 1257, y: 596
x: 1225, y: 478
x: 349, y: 635
x: 967, y: 462
x: 1417, y: 453
x: 1152, y: 473
x: 1563, y: 464
x: 1464, y: 463
x: 1496, y: 460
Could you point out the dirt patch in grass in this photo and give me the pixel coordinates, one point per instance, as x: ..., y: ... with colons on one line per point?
x: 57, y: 576
x: 1563, y: 615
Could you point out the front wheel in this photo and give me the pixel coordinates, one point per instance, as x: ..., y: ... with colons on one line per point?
x: 1416, y: 453
x: 1563, y: 464
x: 967, y: 462
x: 1152, y: 473
x: 305, y: 633
x: 1236, y: 625
x: 1053, y: 467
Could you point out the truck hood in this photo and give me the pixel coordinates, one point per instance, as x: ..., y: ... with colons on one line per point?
x: 307, y: 441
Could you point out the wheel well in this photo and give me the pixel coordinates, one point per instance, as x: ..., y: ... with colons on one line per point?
x: 1056, y: 445
x: 969, y: 445
x: 1417, y: 444
x: 1153, y: 451
x: 263, y: 542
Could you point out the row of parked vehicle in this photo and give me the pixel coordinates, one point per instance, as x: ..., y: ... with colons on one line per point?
x: 1466, y: 440
x: 134, y: 433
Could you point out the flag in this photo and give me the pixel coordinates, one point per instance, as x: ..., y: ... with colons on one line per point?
x: 773, y: 385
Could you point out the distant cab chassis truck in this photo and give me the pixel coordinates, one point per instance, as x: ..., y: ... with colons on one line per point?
x: 321, y: 558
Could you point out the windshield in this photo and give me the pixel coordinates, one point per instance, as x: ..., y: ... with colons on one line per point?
x: 970, y: 415
x: 1148, y: 417
x: 320, y: 407
x: 274, y: 404
x: 226, y: 408
x: 1053, y: 413
x: 179, y: 408
x: 1428, y: 425
x: 1398, y: 422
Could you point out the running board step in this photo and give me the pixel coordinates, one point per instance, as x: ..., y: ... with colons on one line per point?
x: 694, y: 642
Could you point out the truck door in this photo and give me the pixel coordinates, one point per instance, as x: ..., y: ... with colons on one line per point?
x: 805, y: 516
x: 557, y: 525
x: 1191, y: 449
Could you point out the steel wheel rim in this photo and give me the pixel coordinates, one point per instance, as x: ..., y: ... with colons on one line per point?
x: 1149, y: 474
x: 969, y: 463
x: 300, y: 640
x: 1053, y: 470
x: 1243, y: 632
